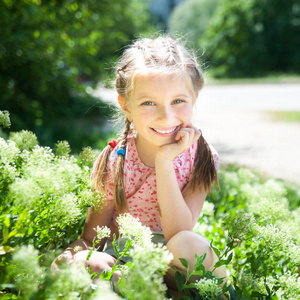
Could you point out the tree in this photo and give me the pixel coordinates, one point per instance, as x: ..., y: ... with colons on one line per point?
x: 47, y: 48
x: 191, y: 18
x: 254, y: 38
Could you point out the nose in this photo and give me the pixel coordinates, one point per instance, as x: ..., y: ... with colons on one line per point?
x: 165, y: 114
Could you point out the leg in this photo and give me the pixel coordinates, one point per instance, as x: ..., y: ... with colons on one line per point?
x: 98, y: 262
x: 184, y: 245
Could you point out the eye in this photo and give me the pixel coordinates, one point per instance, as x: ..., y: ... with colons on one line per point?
x: 147, y: 103
x: 177, y: 101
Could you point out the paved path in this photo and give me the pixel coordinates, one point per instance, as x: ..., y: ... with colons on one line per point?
x: 235, y: 120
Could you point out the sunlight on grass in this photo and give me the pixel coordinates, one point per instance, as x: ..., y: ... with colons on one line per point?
x: 286, y: 116
x: 271, y: 79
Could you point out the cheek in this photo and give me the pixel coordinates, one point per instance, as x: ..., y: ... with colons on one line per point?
x: 185, y: 114
x: 145, y: 116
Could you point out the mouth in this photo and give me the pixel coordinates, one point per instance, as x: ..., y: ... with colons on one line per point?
x: 166, y: 131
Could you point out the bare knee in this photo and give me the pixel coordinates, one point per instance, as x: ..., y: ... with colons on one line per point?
x: 186, y: 244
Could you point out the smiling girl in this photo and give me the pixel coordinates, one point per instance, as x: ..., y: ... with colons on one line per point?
x: 160, y: 168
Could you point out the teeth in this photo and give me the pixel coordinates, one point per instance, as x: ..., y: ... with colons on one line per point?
x: 165, y: 131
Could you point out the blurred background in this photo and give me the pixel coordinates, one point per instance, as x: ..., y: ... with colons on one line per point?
x: 57, y: 67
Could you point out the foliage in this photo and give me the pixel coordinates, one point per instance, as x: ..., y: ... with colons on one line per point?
x: 47, y: 50
x: 252, y: 223
x: 43, y: 195
x: 286, y: 116
x: 191, y: 18
x: 254, y: 38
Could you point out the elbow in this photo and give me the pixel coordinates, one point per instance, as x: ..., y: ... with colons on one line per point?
x: 169, y: 234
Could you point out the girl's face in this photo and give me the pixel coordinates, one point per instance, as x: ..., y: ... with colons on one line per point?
x: 159, y: 107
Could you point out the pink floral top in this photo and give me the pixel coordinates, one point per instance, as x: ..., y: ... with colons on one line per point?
x: 140, y: 182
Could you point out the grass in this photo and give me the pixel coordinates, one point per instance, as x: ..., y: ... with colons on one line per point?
x: 271, y: 79
x: 286, y: 116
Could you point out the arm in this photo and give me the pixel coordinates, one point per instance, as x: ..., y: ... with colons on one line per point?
x: 177, y: 213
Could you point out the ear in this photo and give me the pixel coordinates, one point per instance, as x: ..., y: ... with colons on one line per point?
x: 125, y: 107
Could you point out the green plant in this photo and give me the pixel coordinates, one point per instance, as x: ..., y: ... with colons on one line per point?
x: 191, y: 18
x: 52, y: 55
x: 253, y: 38
x: 253, y: 224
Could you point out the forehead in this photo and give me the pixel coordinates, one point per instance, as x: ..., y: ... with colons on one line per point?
x: 153, y: 82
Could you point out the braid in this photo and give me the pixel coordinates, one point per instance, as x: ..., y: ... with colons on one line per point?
x: 172, y: 55
x: 120, y: 196
x: 204, y: 172
x: 100, y: 170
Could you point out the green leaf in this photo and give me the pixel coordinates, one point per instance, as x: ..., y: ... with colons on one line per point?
x: 107, y: 275
x: 6, y: 226
x: 216, y: 250
x: 200, y: 259
x: 127, y: 248
x: 184, y: 262
x: 179, y: 281
x: 224, y: 261
x: 190, y: 286
x: 198, y: 267
x: 116, y: 247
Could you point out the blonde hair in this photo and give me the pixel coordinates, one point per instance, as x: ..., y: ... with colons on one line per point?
x: 166, y: 56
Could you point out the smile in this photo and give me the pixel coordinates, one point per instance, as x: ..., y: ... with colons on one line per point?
x: 165, y: 131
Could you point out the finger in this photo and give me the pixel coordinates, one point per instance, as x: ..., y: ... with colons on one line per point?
x: 183, y: 135
x: 197, y: 132
x: 196, y: 135
x: 186, y: 129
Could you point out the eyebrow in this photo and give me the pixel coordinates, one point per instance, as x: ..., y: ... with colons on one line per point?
x: 150, y: 98
x: 181, y: 95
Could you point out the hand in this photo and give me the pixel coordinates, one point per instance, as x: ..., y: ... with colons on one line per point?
x: 184, y: 139
x: 65, y: 257
x: 98, y: 262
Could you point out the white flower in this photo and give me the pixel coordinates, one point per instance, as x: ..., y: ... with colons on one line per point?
x: 202, y: 228
x: 290, y: 286
x: 144, y: 278
x: 132, y: 228
x: 246, y: 176
x: 8, y: 156
x: 65, y: 210
x: 271, y: 189
x: 26, y: 270
x: 71, y: 282
x: 62, y: 148
x: 102, y: 232
x: 104, y: 291
x: 26, y: 192
x: 274, y: 237
x: 25, y: 140
x: 8, y: 151
x: 152, y: 258
x: 208, y: 288
x: 208, y: 209
x: 246, y: 280
x: 270, y: 209
x: 4, y: 118
x: 294, y: 253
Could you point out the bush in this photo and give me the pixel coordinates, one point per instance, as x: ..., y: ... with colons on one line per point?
x: 254, y: 38
x: 48, y: 49
x: 253, y: 224
x: 191, y: 18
